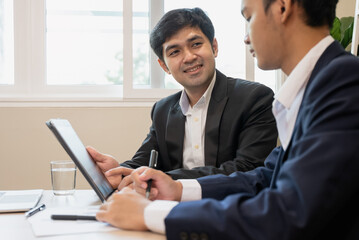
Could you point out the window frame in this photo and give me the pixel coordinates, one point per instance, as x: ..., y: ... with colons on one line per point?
x: 30, y: 87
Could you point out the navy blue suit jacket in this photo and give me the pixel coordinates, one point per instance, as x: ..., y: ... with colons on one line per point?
x: 311, y: 191
x: 240, y: 131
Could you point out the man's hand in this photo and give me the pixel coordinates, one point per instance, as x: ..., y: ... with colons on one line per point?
x: 119, y: 177
x: 163, y: 186
x: 104, y: 161
x: 110, y: 167
x: 124, y: 210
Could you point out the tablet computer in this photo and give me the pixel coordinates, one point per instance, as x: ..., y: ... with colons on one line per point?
x: 74, y: 147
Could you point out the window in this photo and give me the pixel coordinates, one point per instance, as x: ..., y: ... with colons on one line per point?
x: 84, y: 42
x: 98, y: 50
x: 6, y: 43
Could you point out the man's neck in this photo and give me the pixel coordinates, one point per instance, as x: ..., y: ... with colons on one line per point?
x: 194, y: 96
x: 299, y: 45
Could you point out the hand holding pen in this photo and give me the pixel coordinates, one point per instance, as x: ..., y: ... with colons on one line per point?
x: 152, y: 164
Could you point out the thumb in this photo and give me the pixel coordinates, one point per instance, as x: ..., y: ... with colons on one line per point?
x: 93, y: 152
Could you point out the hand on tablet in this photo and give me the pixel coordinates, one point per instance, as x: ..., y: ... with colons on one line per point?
x: 104, y: 161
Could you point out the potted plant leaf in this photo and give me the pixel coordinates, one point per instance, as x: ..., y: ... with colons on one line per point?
x: 342, y: 30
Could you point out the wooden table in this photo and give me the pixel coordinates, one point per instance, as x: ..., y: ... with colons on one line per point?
x: 14, y: 226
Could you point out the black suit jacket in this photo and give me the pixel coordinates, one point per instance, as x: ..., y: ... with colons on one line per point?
x: 311, y: 191
x: 240, y: 131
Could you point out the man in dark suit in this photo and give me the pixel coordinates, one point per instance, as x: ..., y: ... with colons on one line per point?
x: 309, y: 187
x: 217, y: 124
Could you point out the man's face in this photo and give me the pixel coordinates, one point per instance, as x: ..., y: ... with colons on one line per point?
x: 264, y: 35
x: 190, y: 58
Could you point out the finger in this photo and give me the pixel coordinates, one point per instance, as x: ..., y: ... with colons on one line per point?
x: 101, y: 216
x: 139, y: 186
x: 137, y: 182
x: 92, y: 151
x: 148, y: 173
x: 104, y: 206
x: 119, y: 171
x: 153, y: 194
x: 96, y: 155
x: 140, y: 170
x: 143, y: 173
x: 125, y: 182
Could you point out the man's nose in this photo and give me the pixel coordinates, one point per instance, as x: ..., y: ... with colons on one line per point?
x: 189, y: 56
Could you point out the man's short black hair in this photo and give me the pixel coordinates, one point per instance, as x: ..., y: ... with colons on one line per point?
x: 175, y: 20
x: 317, y: 12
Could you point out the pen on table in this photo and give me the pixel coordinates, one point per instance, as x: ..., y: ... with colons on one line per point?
x: 72, y: 217
x: 152, y: 164
x: 35, y: 210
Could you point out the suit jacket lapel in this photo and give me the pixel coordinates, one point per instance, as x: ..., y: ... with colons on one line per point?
x: 328, y: 55
x: 175, y: 136
x: 214, y: 115
x: 332, y: 51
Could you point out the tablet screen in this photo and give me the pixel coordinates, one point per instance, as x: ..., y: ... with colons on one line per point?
x: 69, y: 140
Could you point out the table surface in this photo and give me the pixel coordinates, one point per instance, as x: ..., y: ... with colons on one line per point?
x: 14, y: 226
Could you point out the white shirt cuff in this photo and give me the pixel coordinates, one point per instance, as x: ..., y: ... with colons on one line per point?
x: 191, y: 191
x: 155, y: 214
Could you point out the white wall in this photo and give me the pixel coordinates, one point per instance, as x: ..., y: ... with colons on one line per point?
x: 346, y: 8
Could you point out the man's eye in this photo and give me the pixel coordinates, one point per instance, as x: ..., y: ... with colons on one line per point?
x: 197, y: 44
x: 173, y: 53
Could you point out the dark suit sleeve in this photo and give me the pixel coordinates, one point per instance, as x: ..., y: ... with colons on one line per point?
x: 250, y: 182
x: 142, y: 156
x: 316, y: 188
x: 254, y: 141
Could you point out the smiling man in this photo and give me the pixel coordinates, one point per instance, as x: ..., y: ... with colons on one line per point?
x: 217, y: 124
x: 309, y: 187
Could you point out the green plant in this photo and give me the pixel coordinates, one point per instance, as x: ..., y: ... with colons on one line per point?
x: 342, y: 30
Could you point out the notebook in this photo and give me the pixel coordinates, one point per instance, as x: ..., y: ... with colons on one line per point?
x: 19, y: 200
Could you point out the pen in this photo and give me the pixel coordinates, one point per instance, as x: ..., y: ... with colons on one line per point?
x: 35, y: 210
x: 152, y: 164
x: 72, y: 217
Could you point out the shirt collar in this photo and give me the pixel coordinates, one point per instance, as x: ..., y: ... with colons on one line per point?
x: 184, y: 101
x: 301, y: 73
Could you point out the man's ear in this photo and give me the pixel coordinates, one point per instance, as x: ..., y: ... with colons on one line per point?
x: 286, y: 8
x: 163, y: 66
x: 215, y: 47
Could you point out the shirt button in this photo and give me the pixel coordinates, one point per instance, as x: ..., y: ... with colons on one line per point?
x: 194, y: 236
x: 203, y: 236
x: 183, y: 236
x: 196, y: 146
x: 196, y: 119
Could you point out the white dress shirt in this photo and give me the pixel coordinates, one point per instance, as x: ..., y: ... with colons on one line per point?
x: 289, y: 97
x: 285, y: 109
x: 193, y: 144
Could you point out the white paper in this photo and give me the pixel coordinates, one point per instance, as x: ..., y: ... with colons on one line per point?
x: 43, y: 225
